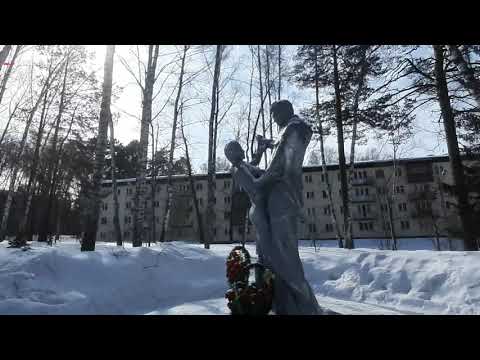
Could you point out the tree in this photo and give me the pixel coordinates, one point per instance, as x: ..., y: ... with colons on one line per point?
x: 466, y: 71
x: 90, y: 233
x: 116, y: 219
x: 139, y: 218
x: 176, y: 110
x: 453, y: 149
x: 210, y: 220
x: 201, y: 232
x: 54, y: 69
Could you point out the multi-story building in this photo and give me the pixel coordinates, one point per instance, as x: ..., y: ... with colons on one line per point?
x: 407, y: 194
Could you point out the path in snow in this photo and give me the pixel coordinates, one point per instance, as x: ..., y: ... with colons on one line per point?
x: 219, y: 307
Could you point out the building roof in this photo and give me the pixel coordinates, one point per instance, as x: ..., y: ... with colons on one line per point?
x: 307, y: 169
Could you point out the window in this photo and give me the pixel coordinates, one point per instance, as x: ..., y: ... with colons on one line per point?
x: 128, y: 204
x: 156, y: 203
x: 126, y: 234
x: 226, y: 184
x: 405, y: 225
x: 399, y: 189
x: 129, y: 191
x: 310, y: 194
x: 360, y: 225
x: 370, y: 226
x: 402, y: 207
x: 198, y: 186
x: 328, y: 227
x: 103, y: 220
x: 158, y: 188
x: 379, y: 174
x: 104, y: 206
x: 102, y: 236
x: 312, y: 228
x: 128, y: 219
x: 227, y: 199
x: 323, y: 177
x: 313, y: 211
x: 226, y: 231
x: 200, y: 202
x: 366, y: 191
x: 226, y: 215
x: 308, y: 178
x: 447, y: 204
x: 326, y: 210
x: 118, y: 191
x: 364, y: 174
x: 398, y: 172
x: 324, y: 193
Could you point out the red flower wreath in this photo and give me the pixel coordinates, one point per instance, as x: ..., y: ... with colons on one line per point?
x: 246, y: 298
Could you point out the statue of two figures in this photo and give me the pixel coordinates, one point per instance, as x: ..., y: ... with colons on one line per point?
x: 276, y: 194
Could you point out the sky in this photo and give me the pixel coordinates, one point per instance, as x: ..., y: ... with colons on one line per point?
x: 236, y: 67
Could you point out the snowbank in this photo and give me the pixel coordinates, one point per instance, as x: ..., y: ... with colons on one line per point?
x: 181, y: 278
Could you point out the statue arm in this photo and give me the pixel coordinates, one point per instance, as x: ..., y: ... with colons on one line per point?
x: 283, y: 159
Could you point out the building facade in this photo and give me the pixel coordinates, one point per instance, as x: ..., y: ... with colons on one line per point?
x: 408, y: 196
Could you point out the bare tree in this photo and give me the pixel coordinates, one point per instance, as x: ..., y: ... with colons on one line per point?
x: 468, y: 76
x: 210, y: 221
x: 8, y: 71
x: 453, y: 149
x: 90, y: 233
x: 55, y: 69
x: 176, y: 109
x: 116, y: 218
x: 201, y: 232
x: 140, y: 222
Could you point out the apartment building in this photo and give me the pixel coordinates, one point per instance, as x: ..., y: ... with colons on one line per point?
x: 407, y: 195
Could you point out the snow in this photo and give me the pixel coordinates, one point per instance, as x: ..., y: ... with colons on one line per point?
x: 184, y: 278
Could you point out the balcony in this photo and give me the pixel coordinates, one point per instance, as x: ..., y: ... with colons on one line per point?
x: 365, y: 217
x: 362, y: 198
x: 422, y: 195
x: 368, y: 181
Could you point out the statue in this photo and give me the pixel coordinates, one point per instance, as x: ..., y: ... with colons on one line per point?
x: 277, y: 201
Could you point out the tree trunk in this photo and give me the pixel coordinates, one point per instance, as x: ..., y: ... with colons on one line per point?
x: 52, y: 170
x: 21, y: 239
x: 4, y: 53
x: 140, y: 222
x: 8, y: 71
x: 8, y: 202
x: 116, y: 218
x: 262, y: 111
x: 361, y: 81
x: 201, y: 231
x: 211, y: 219
x: 90, y: 231
x: 168, y: 203
x: 341, y: 153
x: 322, y: 154
x: 249, y: 110
x: 269, y: 94
x: 153, y: 185
x: 279, y: 71
x: 461, y: 192
x: 467, y: 73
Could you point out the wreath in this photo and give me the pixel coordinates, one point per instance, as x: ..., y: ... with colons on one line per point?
x: 245, y: 298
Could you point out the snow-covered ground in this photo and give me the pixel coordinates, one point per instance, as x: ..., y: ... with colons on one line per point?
x: 185, y: 278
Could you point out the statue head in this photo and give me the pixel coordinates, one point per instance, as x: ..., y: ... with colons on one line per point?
x: 234, y: 152
x: 281, y: 111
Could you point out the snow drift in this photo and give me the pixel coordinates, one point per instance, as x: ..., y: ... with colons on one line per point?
x: 182, y: 278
